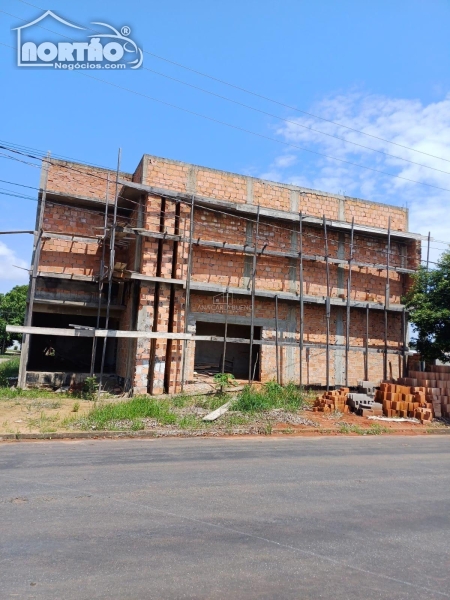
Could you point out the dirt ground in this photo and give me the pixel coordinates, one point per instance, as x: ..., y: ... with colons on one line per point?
x: 39, y: 415
x: 57, y: 414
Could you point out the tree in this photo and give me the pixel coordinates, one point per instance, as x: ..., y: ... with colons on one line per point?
x: 12, y: 312
x: 428, y: 301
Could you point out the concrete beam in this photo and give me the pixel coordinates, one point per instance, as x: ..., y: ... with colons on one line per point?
x: 250, y: 209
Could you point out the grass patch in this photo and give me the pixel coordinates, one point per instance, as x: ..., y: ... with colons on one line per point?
x: 271, y: 395
x: 45, y: 423
x: 9, y: 368
x: 107, y: 416
x: 7, y: 393
x: 374, y: 429
x: 190, y: 422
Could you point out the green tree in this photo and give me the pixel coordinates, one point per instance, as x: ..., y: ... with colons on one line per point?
x: 12, y: 312
x: 428, y: 301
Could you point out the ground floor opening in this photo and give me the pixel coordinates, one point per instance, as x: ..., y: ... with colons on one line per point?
x: 69, y: 354
x: 209, y: 355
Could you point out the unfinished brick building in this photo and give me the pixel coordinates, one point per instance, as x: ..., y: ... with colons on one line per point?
x: 199, y: 252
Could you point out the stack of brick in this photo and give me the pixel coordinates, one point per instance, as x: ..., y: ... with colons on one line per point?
x: 335, y: 400
x: 405, y: 401
x: 435, y: 382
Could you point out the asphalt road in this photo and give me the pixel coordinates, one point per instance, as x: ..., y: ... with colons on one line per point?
x: 299, y: 518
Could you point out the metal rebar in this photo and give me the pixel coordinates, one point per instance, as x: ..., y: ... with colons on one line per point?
x: 276, y: 339
x: 252, y: 316
x: 100, y: 278
x: 349, y: 288
x: 112, y: 255
x: 301, y: 296
x: 188, y: 292
x: 327, y: 307
x: 386, y: 301
x: 225, y: 336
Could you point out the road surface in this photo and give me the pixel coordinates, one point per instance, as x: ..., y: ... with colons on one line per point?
x: 295, y: 518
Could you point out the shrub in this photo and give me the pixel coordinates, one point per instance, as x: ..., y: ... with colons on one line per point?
x: 270, y: 396
x: 9, y: 368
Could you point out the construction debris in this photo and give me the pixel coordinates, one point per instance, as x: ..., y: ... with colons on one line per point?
x: 335, y: 400
x: 215, y: 414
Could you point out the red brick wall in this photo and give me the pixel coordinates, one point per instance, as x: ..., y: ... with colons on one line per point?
x: 62, y: 256
x: 82, y: 180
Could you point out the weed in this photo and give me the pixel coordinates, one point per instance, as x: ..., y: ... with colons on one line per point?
x: 223, y: 380
x: 39, y: 405
x: 9, y: 368
x: 189, y: 422
x: 7, y: 393
x: 139, y: 407
x: 377, y: 429
x: 90, y: 388
x: 374, y: 429
x: 268, y: 428
x: 210, y: 402
x: 43, y: 422
x: 76, y: 407
x: 181, y: 401
x: 271, y: 395
x: 235, y: 420
x: 137, y: 425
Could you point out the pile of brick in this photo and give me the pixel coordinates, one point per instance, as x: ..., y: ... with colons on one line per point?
x: 408, y: 401
x: 435, y: 382
x: 334, y: 400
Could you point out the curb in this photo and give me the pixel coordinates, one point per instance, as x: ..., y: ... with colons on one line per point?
x: 91, y: 435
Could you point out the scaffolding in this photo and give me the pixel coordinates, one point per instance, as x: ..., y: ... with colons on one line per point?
x: 255, y: 250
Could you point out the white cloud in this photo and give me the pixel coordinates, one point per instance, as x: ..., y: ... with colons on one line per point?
x: 11, y: 273
x: 408, y: 123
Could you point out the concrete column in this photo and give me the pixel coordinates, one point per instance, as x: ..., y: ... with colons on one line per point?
x: 249, y: 190
x: 191, y: 180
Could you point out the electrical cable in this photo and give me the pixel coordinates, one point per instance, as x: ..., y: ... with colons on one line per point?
x: 223, y: 82
x: 254, y: 133
x: 205, y: 208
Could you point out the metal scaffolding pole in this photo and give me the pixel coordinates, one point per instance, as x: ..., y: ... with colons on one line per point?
x: 111, y: 267
x: 188, y: 292
x: 327, y: 306
x: 349, y: 289
x: 252, y: 317
x: 276, y: 339
x: 366, y: 356
x: 100, y: 278
x: 225, y: 337
x: 21, y: 382
x: 386, y: 301
x: 404, y: 331
x: 301, y: 295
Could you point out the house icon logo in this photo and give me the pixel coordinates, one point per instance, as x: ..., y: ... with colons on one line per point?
x: 52, y: 42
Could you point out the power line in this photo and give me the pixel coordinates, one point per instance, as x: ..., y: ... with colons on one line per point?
x: 86, y: 173
x: 211, y: 77
x: 236, y: 127
x: 263, y: 112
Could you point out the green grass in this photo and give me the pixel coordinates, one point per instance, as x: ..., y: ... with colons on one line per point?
x: 190, y: 422
x: 7, y: 393
x: 270, y: 396
x: 374, y: 429
x: 9, y: 368
x: 107, y: 416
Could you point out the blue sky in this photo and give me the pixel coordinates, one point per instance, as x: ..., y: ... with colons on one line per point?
x: 382, y: 67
